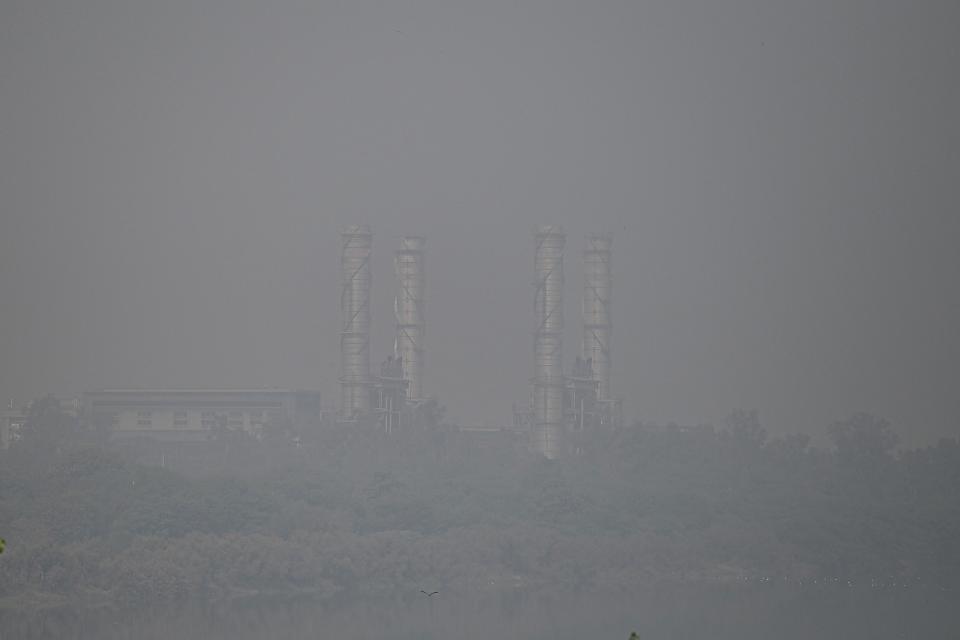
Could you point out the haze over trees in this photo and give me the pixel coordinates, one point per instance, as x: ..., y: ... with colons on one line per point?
x: 356, y: 513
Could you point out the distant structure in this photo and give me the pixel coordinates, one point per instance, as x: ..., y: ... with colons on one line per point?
x: 409, y: 312
x: 597, y: 326
x: 13, y: 419
x: 390, y: 394
x: 548, y: 381
x: 582, y: 412
x: 565, y: 410
x: 355, y: 282
x: 197, y: 415
x: 384, y: 397
x: 598, y: 322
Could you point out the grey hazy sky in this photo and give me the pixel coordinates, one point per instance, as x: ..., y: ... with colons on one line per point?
x: 781, y: 177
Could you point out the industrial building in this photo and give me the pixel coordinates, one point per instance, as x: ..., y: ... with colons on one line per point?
x: 355, y: 282
x: 548, y: 382
x: 565, y: 408
x: 598, y: 325
x: 196, y: 415
x: 409, y: 311
x: 13, y: 419
x: 387, y: 397
x: 390, y: 394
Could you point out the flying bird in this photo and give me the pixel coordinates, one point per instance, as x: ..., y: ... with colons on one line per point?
x: 432, y: 593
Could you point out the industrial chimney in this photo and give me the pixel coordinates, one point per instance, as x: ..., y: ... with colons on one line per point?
x: 548, y: 382
x: 355, y: 281
x: 597, y: 319
x: 409, y: 312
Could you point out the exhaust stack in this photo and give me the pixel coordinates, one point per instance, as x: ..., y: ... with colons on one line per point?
x: 597, y: 318
x: 355, y: 281
x: 549, y: 381
x: 409, y: 313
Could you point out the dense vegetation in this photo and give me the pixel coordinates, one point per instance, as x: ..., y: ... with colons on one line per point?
x: 360, y: 513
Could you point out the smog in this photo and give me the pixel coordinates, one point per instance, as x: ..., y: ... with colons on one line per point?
x: 481, y: 320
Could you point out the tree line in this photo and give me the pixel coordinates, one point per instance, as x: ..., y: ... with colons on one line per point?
x: 341, y: 514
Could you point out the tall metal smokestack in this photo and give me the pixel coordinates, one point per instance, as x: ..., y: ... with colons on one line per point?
x: 548, y: 382
x: 409, y: 312
x: 597, y: 318
x: 355, y: 281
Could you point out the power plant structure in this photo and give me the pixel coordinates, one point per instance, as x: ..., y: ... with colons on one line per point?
x: 399, y: 384
x: 598, y: 321
x: 548, y: 381
x: 563, y: 413
x: 390, y: 395
x: 564, y: 409
x: 408, y: 310
x: 355, y: 282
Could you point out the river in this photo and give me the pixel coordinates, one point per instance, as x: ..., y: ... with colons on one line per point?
x: 763, y: 611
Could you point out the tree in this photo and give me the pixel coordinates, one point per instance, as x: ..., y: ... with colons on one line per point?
x: 745, y: 427
x: 863, y: 436
x: 430, y: 414
x: 48, y: 430
x: 47, y: 423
